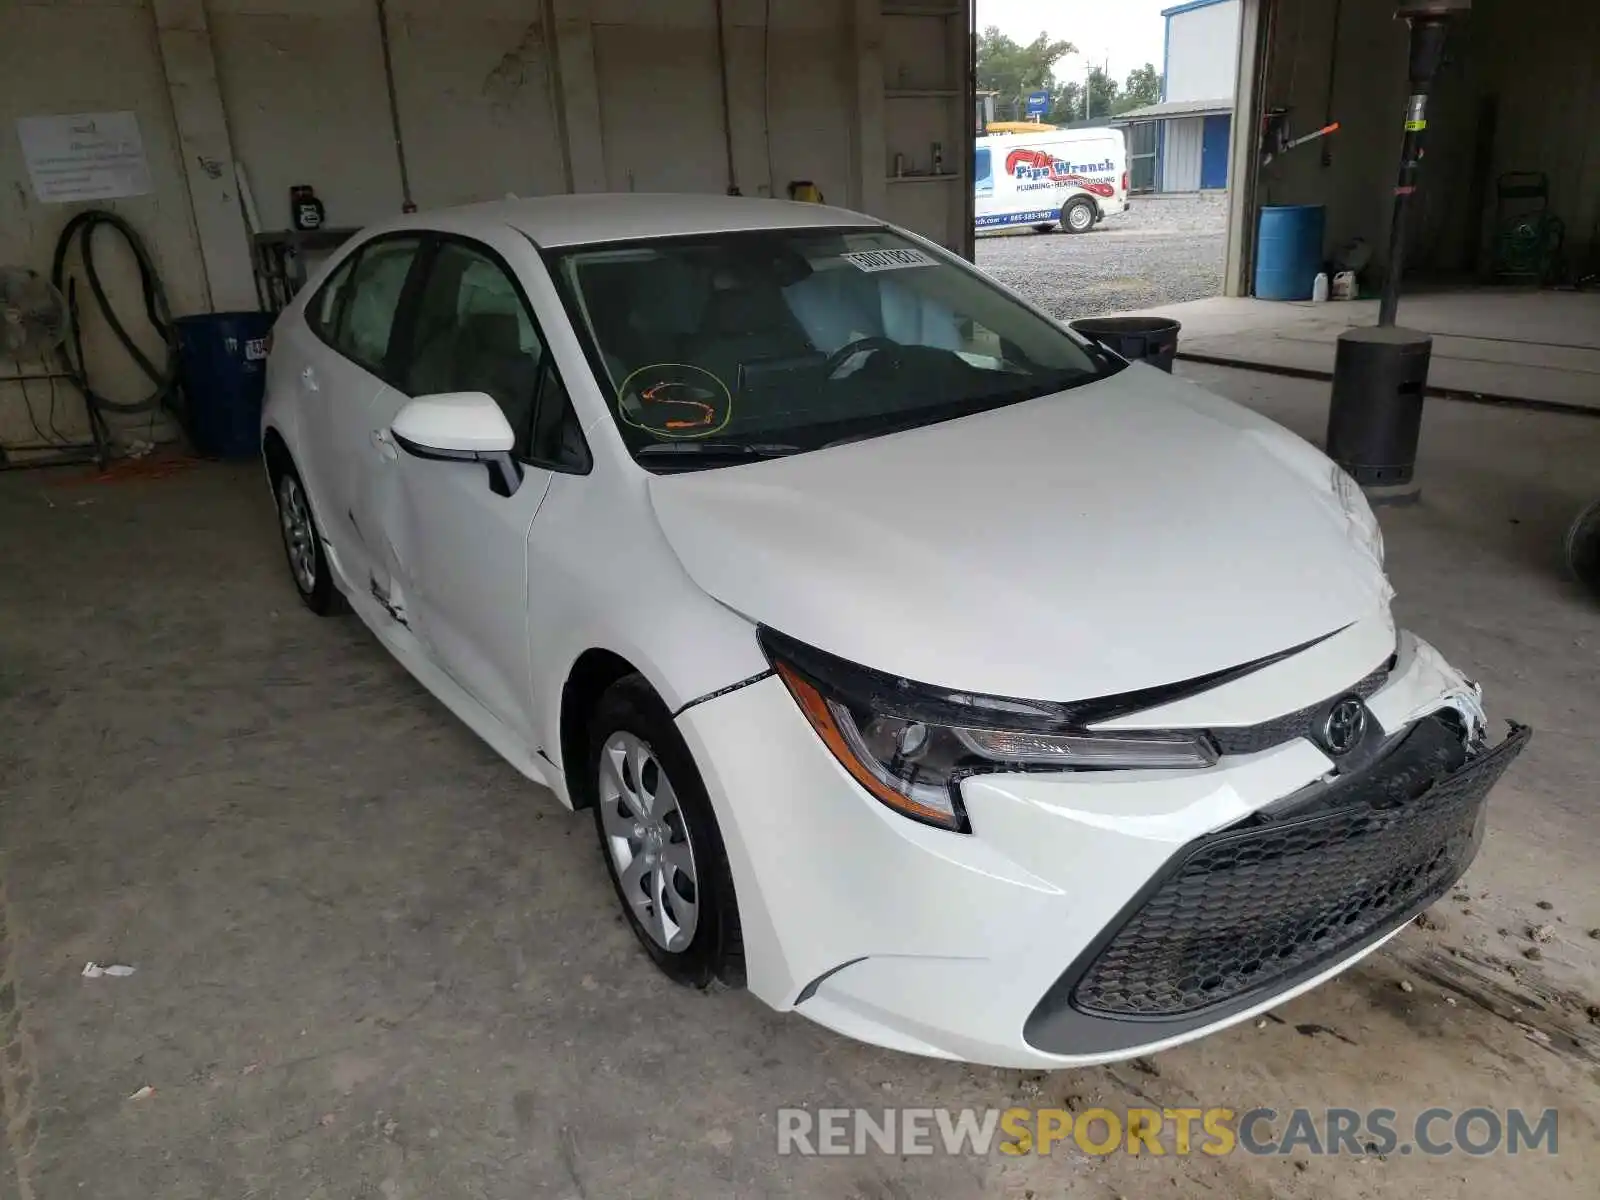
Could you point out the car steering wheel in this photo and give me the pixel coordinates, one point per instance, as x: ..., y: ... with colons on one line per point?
x: 850, y: 349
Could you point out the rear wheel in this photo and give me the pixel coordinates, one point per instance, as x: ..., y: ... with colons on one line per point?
x: 660, y: 839
x: 302, y: 545
x: 1077, y: 216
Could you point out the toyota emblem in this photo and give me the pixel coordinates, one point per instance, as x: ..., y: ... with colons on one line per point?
x: 1344, y: 726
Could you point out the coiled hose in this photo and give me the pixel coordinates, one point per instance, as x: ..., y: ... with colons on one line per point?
x: 163, y: 377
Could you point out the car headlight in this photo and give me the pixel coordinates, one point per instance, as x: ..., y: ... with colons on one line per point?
x: 1363, y: 523
x: 910, y: 744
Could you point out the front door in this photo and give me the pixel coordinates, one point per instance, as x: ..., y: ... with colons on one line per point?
x: 460, y: 549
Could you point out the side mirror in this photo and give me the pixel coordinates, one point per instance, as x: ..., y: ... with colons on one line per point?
x: 461, y: 427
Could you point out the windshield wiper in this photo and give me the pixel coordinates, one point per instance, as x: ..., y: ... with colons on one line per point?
x: 690, y: 449
x: 885, y: 423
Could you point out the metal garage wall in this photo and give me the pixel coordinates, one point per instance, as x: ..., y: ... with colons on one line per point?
x: 1535, y: 69
x: 670, y: 73
x: 1180, y: 156
x: 1202, y: 41
x: 304, y: 90
x: 1539, y: 74
x: 494, y: 96
x: 478, y: 92
x: 68, y: 58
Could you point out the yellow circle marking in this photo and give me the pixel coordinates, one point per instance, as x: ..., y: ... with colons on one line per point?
x: 655, y: 431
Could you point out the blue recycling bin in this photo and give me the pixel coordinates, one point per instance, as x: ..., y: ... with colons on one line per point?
x: 1289, y: 251
x: 222, y: 362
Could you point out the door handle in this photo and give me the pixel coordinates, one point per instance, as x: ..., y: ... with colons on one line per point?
x: 309, y: 378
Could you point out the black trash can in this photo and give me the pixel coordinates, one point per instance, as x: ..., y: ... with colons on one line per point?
x: 1138, y: 339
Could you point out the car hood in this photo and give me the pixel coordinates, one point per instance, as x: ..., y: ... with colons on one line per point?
x: 1129, y: 533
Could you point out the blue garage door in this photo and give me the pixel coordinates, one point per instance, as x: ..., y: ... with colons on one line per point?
x: 1214, y: 152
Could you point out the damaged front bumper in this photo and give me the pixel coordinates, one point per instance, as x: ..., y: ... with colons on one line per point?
x: 1263, y: 904
x: 980, y: 946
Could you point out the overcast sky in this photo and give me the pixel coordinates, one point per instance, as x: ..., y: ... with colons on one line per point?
x: 1131, y: 32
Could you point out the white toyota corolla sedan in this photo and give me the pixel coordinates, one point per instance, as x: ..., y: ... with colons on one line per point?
x: 928, y: 669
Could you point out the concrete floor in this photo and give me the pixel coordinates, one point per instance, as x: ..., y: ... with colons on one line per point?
x: 1501, y: 342
x: 372, y: 961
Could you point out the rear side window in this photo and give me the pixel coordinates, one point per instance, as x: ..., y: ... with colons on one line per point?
x: 367, y: 315
x: 323, y: 312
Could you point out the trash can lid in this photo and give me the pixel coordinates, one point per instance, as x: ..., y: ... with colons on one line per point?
x: 1126, y: 325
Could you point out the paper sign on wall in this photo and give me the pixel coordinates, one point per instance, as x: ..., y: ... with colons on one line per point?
x: 84, y: 156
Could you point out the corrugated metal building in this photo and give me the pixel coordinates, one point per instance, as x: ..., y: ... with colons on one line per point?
x: 1192, y: 126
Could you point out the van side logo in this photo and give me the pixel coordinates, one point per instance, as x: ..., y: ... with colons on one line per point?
x: 1041, y: 166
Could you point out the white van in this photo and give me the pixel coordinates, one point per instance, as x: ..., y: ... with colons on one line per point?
x: 1071, y: 177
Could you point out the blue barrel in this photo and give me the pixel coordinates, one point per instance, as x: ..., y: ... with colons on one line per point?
x: 222, y: 362
x: 1289, y: 251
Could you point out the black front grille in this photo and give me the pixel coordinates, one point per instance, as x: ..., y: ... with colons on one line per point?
x: 1254, y: 905
x: 1251, y: 739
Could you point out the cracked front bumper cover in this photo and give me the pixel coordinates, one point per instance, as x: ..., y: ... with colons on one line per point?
x: 1254, y: 908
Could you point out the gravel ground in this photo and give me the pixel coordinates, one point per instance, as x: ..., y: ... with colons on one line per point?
x: 1164, y: 249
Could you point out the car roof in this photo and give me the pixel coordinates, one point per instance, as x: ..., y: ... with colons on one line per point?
x: 572, y: 220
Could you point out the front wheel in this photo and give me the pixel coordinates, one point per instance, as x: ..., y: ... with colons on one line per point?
x: 660, y: 839
x: 1077, y: 216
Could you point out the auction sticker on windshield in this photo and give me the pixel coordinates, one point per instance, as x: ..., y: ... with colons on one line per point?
x: 887, y: 260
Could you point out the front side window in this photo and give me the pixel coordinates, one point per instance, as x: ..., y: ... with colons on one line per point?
x: 777, y: 341
x: 367, y: 316
x: 472, y: 332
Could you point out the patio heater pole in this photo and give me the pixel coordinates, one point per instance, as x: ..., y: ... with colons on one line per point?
x: 1380, y: 374
x: 1429, y: 19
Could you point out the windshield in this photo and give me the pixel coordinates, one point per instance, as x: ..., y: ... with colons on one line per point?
x: 723, y: 347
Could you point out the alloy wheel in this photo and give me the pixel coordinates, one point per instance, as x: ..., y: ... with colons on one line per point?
x: 299, y: 535
x: 648, y: 841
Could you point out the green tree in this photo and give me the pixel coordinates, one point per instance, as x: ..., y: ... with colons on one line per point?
x: 1102, y: 94
x: 1012, y: 69
x: 1066, y: 103
x: 1142, y: 87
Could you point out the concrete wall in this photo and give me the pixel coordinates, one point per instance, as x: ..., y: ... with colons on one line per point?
x: 1202, y: 49
x: 1180, y: 155
x: 1536, y: 68
x: 494, y: 96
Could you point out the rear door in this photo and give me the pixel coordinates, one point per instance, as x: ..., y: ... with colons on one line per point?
x: 345, y: 366
x: 323, y: 385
